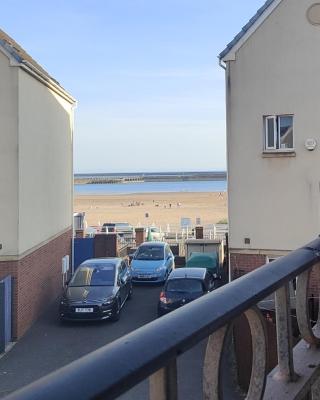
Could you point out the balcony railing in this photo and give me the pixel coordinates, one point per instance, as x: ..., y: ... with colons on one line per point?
x: 135, y: 356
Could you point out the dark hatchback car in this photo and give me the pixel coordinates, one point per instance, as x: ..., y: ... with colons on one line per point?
x: 97, y: 290
x: 183, y: 286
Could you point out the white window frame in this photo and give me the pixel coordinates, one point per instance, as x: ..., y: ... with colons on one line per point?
x: 276, y: 133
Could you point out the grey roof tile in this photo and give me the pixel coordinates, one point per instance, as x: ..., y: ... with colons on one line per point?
x: 244, y: 30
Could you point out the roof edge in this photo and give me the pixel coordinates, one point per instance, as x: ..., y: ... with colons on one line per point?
x: 252, y: 25
x: 50, y: 83
x: 33, y: 68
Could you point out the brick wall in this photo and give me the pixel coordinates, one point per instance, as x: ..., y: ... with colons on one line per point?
x: 37, y: 281
x: 241, y: 264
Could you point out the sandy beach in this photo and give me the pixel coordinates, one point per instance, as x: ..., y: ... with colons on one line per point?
x: 160, y: 209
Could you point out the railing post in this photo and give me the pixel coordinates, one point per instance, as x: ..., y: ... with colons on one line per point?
x: 163, y: 384
x: 302, y: 307
x: 284, y: 335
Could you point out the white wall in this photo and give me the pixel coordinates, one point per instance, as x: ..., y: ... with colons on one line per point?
x: 275, y: 201
x: 8, y: 157
x: 45, y: 163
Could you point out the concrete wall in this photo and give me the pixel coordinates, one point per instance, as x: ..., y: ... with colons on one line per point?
x: 274, y: 201
x: 8, y: 157
x: 45, y: 163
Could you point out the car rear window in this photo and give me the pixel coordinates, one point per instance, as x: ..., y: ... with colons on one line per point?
x: 94, y: 275
x: 184, y: 285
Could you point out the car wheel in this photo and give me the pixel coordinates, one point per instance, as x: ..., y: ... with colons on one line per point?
x: 116, y: 312
x: 130, y: 293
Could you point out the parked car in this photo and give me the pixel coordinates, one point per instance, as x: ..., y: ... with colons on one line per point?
x: 210, y: 261
x: 97, y: 290
x: 152, y: 262
x: 183, y: 286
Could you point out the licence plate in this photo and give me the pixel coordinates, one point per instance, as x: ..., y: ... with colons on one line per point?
x: 84, y: 310
x: 144, y: 276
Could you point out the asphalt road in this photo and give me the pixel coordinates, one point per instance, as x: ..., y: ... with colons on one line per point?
x: 49, y: 345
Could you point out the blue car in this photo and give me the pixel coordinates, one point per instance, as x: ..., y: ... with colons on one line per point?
x: 152, y: 262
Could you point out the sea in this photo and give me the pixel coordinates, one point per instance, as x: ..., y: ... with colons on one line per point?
x: 151, y: 187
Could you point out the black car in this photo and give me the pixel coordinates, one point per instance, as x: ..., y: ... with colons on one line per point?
x: 183, y: 286
x: 97, y: 290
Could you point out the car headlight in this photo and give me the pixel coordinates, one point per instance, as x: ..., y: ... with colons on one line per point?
x: 159, y: 269
x: 108, y: 301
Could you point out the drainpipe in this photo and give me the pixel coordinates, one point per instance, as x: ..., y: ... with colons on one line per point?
x: 72, y: 183
x: 226, y: 67
x: 222, y: 64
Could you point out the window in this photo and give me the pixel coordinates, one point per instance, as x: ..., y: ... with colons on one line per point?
x: 278, y: 132
x: 166, y: 252
x: 94, y: 275
x: 122, y: 267
x: 149, y: 253
x: 185, y: 285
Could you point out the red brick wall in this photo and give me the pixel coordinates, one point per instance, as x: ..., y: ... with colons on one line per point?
x: 241, y: 264
x: 37, y: 281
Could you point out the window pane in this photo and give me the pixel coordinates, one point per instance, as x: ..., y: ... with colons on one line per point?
x: 94, y: 275
x: 270, y: 132
x: 184, y: 285
x: 286, y: 132
x: 150, y: 253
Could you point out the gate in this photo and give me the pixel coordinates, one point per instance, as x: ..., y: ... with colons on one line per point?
x: 83, y: 250
x: 5, y: 313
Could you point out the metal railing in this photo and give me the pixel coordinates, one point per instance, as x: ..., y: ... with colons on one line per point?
x: 212, y: 232
x: 134, y: 357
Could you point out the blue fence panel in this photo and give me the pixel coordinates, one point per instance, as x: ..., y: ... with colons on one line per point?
x: 83, y: 249
x: 5, y: 312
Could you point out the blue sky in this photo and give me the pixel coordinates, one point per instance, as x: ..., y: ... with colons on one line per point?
x: 145, y: 73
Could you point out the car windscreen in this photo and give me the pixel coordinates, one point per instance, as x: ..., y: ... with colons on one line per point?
x: 94, y: 275
x: 150, y: 253
x: 185, y: 285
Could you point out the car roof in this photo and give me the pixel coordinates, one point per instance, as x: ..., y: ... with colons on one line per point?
x: 109, y: 260
x: 189, y: 273
x: 153, y: 243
